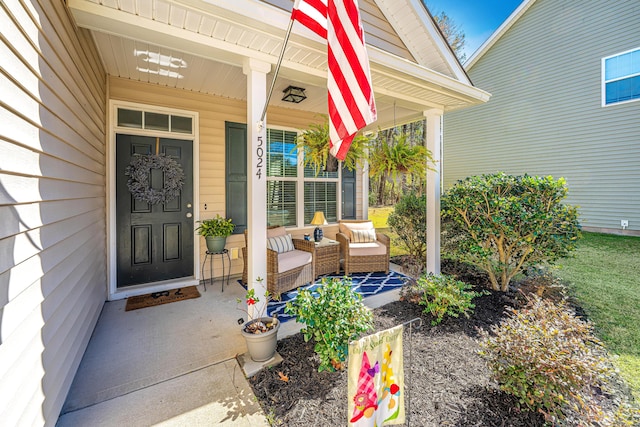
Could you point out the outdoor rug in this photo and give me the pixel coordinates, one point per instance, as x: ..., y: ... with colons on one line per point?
x: 366, y: 284
x: 164, y: 297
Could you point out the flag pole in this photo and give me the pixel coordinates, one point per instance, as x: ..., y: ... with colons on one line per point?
x: 277, y: 70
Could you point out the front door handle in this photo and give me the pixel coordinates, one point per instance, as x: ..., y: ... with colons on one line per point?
x: 189, y: 215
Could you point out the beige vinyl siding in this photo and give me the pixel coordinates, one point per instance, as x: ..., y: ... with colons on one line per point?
x: 213, y: 113
x: 52, y: 207
x: 545, y: 115
x: 378, y: 31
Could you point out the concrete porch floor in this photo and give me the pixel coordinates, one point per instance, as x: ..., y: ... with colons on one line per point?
x: 170, y: 365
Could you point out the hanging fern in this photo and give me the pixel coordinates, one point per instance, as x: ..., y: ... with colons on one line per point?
x: 314, y: 142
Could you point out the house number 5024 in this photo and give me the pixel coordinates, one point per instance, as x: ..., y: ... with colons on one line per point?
x: 260, y: 155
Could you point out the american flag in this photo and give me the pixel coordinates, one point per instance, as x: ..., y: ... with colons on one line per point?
x: 351, y: 102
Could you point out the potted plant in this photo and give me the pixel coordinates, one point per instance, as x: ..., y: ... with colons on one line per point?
x: 260, y: 332
x: 315, y: 144
x: 215, y: 231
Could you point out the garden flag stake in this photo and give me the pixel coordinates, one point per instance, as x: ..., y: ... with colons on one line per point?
x: 376, y: 380
x: 351, y: 103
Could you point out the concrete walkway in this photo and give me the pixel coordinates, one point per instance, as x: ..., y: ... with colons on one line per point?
x: 170, y: 365
x: 215, y: 395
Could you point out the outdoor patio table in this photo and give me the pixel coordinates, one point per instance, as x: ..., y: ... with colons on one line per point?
x: 327, y: 257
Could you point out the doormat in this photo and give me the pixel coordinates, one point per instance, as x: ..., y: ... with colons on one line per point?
x: 159, y: 298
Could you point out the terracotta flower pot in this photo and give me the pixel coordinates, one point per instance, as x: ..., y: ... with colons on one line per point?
x: 261, y: 346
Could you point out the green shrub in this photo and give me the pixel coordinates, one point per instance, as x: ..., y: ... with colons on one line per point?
x: 409, y: 221
x: 549, y: 359
x: 441, y: 295
x: 504, y: 224
x: 334, y: 315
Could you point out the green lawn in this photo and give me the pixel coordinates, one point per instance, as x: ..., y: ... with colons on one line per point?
x: 604, y: 276
x: 379, y: 217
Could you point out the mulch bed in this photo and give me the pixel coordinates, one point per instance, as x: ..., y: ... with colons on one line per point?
x: 448, y: 382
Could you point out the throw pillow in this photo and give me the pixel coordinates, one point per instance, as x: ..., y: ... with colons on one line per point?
x: 346, y: 227
x: 280, y: 244
x: 363, y: 236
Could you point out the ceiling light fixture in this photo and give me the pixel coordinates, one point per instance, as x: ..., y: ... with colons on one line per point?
x: 294, y: 94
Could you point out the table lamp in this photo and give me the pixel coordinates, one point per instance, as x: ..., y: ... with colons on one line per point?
x: 318, y: 219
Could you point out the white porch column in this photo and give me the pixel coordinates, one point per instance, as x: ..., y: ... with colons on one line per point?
x: 433, y: 138
x: 256, y: 72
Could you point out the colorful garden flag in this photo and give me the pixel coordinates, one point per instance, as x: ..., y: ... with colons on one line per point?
x: 376, y: 380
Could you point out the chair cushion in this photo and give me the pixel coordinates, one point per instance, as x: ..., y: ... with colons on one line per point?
x: 277, y: 231
x: 364, y: 249
x: 346, y: 227
x: 293, y: 259
x: 280, y: 244
x: 363, y: 236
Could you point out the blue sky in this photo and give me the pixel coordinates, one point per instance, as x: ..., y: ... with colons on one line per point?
x: 478, y: 19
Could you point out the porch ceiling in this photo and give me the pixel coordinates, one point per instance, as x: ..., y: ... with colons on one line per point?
x: 198, y: 46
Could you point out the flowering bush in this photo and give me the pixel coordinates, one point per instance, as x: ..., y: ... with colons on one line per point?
x: 251, y: 300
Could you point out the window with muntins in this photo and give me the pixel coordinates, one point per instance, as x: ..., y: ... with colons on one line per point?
x: 293, y: 191
x: 621, y: 77
x: 149, y: 120
x: 320, y: 194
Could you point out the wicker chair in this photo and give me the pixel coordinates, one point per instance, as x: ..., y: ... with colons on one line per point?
x: 282, y: 281
x: 362, y: 257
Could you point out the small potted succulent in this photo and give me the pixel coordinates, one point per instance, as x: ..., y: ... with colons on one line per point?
x: 260, y: 332
x: 215, y: 231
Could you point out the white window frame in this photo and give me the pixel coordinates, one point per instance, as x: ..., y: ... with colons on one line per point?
x: 604, y: 81
x: 300, y: 179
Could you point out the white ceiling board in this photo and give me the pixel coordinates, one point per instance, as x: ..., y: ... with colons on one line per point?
x: 161, y: 11
x: 128, y: 6
x: 192, y: 21
x: 108, y: 3
x: 177, y: 17
x: 196, y: 46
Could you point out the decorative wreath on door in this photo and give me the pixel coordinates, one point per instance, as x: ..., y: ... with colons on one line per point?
x: 139, y: 171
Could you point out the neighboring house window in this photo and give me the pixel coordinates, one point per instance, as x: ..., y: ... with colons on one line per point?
x: 621, y: 77
x: 286, y: 179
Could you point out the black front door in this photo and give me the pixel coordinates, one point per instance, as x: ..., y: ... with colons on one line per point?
x: 154, y: 241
